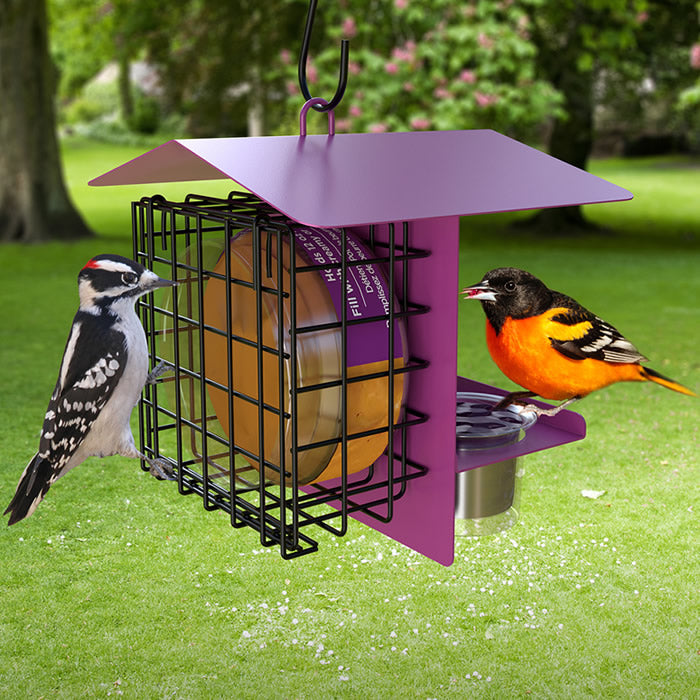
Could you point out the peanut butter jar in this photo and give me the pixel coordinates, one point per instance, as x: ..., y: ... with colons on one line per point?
x: 319, y: 299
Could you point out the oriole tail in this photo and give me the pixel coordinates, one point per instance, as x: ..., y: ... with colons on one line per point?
x: 33, y: 486
x: 653, y: 376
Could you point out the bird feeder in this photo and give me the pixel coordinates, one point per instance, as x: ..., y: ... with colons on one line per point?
x: 290, y: 407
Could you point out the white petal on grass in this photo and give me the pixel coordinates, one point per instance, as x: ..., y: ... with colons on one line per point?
x: 589, y: 493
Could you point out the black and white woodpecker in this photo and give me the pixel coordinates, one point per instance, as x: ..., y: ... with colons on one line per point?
x: 103, y: 371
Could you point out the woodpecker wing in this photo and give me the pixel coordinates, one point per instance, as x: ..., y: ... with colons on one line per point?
x: 578, y: 334
x: 93, y: 362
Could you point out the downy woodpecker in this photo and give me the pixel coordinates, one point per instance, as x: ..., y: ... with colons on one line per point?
x: 102, y: 374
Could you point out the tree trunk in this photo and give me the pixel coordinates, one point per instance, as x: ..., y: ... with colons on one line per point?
x: 126, y: 100
x: 571, y: 138
x: 256, y: 101
x: 34, y: 203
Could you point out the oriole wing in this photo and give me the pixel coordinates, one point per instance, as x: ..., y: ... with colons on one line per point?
x: 578, y: 334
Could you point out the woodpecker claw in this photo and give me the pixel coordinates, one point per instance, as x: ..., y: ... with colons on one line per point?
x: 161, y: 368
x: 161, y: 469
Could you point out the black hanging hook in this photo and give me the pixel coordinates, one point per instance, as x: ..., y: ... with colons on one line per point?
x: 343, y: 73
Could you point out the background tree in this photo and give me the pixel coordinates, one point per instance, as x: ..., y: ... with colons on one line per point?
x: 214, y: 60
x: 637, y: 100
x: 34, y: 204
x: 598, y: 52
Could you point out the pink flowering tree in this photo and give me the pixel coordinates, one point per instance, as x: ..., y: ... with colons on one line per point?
x: 431, y: 64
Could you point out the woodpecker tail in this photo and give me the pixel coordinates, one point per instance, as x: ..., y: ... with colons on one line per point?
x: 653, y: 376
x: 33, y: 485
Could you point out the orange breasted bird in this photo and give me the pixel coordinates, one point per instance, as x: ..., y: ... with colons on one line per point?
x: 552, y: 346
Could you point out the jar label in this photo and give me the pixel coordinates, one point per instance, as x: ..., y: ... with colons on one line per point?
x: 367, y: 295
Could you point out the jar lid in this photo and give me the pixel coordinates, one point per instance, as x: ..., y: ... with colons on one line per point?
x: 479, y: 426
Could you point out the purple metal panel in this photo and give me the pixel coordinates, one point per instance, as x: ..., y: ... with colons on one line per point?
x: 424, y: 517
x: 359, y: 179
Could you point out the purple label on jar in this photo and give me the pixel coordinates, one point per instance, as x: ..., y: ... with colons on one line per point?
x: 367, y: 292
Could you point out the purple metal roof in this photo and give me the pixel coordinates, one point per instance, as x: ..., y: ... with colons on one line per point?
x: 357, y: 179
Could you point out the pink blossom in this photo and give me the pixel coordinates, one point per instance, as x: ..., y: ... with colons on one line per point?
x: 442, y: 93
x: 401, y: 4
x: 354, y: 67
x: 408, y: 87
x: 642, y: 17
x: 349, y: 27
x: 342, y: 125
x: 286, y: 56
x: 399, y: 54
x: 695, y: 56
x: 420, y: 123
x: 391, y: 68
x: 355, y: 111
x: 484, y: 100
x: 410, y: 45
x: 468, y: 76
x: 292, y: 88
x: 485, y: 41
x: 377, y: 128
x: 311, y: 72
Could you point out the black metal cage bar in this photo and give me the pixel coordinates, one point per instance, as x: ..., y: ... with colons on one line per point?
x: 195, y: 416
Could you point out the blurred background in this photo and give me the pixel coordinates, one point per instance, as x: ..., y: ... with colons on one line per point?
x: 603, y: 78
x: 207, y: 68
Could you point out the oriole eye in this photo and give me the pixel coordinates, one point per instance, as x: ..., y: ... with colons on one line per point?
x: 509, y: 286
x: 130, y: 278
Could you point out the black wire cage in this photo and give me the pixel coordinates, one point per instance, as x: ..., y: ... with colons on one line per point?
x: 246, y: 420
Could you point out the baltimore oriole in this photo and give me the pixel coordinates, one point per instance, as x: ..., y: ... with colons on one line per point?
x: 551, y: 345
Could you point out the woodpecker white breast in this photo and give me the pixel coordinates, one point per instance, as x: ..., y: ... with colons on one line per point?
x: 102, y: 374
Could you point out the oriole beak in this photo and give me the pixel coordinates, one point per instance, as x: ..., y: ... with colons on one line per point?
x: 481, y: 292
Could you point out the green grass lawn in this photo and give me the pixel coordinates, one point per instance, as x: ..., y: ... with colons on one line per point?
x: 119, y: 586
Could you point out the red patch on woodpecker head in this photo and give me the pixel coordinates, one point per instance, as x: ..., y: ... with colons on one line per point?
x: 91, y: 264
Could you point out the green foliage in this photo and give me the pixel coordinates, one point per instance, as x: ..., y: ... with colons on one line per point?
x: 214, y: 59
x: 96, y: 102
x: 145, y: 118
x: 81, y: 42
x: 96, y: 113
x: 432, y: 65
x: 638, y: 89
x: 415, y: 64
x: 689, y: 99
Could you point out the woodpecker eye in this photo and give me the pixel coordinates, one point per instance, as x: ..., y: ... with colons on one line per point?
x: 509, y: 286
x: 130, y: 278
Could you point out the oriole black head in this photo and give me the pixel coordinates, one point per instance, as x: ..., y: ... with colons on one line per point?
x: 508, y: 291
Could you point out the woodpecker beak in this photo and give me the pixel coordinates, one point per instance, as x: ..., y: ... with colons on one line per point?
x: 157, y: 282
x: 481, y: 292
